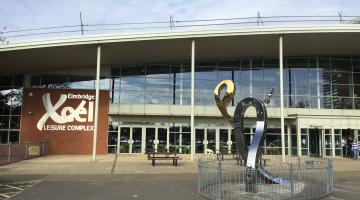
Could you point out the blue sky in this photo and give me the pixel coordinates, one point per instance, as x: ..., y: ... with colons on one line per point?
x: 23, y: 14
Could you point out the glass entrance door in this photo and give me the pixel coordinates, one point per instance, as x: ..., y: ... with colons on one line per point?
x: 199, y: 140
x: 136, y: 139
x: 150, y: 138
x: 315, y: 142
x: 129, y: 140
x: 123, y: 141
x: 161, y: 144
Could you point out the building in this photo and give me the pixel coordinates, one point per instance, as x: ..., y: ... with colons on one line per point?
x: 146, y: 78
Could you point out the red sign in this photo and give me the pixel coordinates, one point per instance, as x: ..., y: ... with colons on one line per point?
x: 64, y: 118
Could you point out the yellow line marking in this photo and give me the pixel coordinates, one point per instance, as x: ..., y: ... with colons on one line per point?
x: 13, y: 187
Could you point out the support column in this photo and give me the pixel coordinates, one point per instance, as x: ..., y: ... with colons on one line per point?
x: 333, y: 141
x: 143, y: 139
x: 289, y: 139
x: 192, y: 99
x: 217, y: 140
x: 282, y: 122
x: 167, y: 138
x: 156, y: 140
x: 97, y: 86
x: 298, y: 136
x: 131, y: 141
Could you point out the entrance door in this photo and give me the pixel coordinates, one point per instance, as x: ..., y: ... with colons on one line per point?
x: 161, y: 139
x: 123, y: 141
x: 136, y: 139
x: 315, y: 142
x: 129, y: 140
x: 211, y: 139
x: 150, y: 138
x: 199, y: 140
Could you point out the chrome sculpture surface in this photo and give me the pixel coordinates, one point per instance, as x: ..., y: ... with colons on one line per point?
x: 250, y: 154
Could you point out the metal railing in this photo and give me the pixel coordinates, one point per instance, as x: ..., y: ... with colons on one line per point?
x: 304, y: 179
x: 8, y: 35
x: 10, y: 153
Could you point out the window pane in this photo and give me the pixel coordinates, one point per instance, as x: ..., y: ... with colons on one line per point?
x: 132, y: 83
x: 158, y: 71
x: 81, y: 82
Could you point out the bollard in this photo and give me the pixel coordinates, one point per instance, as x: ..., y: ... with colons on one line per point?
x: 220, y: 174
x: 9, y: 152
x: 26, y: 151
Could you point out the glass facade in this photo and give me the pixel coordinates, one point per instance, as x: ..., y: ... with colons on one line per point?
x: 309, y: 82
x: 10, y: 108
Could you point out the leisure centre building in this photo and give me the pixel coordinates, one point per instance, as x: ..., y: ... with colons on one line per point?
x: 148, y: 96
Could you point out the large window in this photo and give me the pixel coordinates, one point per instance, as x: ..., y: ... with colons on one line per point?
x: 309, y: 82
x: 10, y: 108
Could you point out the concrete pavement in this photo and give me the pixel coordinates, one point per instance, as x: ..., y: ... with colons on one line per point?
x: 131, y: 177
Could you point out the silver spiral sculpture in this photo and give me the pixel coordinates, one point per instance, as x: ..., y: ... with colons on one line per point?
x: 249, y: 153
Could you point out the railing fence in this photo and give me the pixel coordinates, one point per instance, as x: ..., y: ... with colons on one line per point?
x: 15, y: 152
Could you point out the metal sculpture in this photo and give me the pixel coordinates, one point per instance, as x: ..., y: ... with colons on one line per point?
x: 249, y: 154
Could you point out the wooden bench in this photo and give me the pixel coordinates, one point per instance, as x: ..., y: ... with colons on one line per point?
x: 163, y: 156
x: 239, y: 159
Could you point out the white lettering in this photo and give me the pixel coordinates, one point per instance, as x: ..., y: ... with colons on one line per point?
x: 67, y: 114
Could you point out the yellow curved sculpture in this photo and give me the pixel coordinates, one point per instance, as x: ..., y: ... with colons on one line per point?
x: 223, y: 103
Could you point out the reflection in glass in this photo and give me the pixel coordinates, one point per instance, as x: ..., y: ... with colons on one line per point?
x: 211, y: 139
x: 124, y: 140
x: 136, y: 137
x: 199, y: 139
x: 150, y: 137
x: 162, y: 137
x: 223, y: 140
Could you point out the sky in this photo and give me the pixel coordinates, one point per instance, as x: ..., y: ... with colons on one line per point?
x: 24, y: 14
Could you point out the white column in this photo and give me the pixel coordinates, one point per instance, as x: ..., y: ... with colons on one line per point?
x: 97, y: 86
x: 143, y: 139
x: 167, y: 138
x: 229, y: 142
x: 131, y: 141
x: 333, y: 142
x: 192, y: 137
x: 289, y: 139
x: 217, y: 140
x: 282, y: 121
x: 298, y: 136
x: 118, y: 141
x: 156, y: 140
x: 318, y: 85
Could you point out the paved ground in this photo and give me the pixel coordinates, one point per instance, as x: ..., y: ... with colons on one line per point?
x: 127, y: 177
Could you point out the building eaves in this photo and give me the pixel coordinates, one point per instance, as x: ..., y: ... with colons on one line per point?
x: 177, y: 34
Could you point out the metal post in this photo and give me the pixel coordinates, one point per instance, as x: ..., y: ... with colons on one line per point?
x: 9, y: 152
x: 329, y: 177
x: 220, y: 174
x: 199, y: 176
x: 192, y: 98
x: 96, y: 102
x: 292, y: 180
x: 26, y: 150
x: 282, y: 97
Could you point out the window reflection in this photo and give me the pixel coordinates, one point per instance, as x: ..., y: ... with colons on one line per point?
x: 309, y: 82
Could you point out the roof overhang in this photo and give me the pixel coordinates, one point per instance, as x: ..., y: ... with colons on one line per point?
x: 133, y: 48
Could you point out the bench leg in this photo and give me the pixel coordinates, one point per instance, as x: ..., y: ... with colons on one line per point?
x: 153, y: 162
x: 175, y: 162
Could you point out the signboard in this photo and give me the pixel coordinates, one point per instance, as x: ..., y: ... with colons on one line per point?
x: 64, y: 118
x: 34, y: 151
